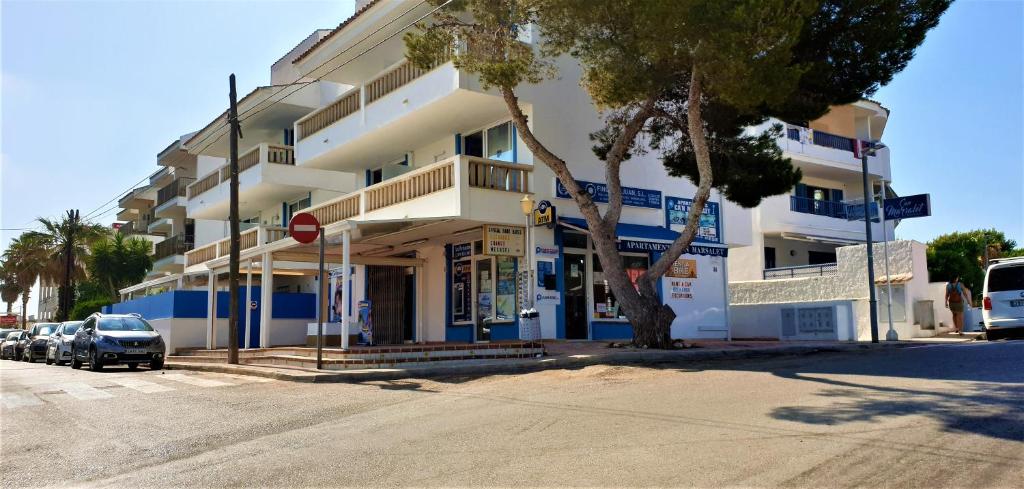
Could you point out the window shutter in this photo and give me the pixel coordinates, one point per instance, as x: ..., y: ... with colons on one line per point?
x: 801, y: 190
x: 837, y: 195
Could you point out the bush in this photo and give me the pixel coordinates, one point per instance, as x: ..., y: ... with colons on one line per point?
x: 84, y: 308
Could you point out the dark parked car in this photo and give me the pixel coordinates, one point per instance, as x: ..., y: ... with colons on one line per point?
x: 113, y: 339
x: 9, y: 349
x: 34, y: 347
x: 58, y: 349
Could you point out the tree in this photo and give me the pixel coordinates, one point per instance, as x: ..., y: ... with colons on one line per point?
x: 66, y: 242
x: 9, y: 288
x: 962, y: 254
x: 26, y: 259
x: 116, y: 262
x: 685, y: 78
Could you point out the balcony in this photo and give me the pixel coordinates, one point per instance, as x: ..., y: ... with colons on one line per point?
x: 822, y: 270
x: 249, y: 238
x: 172, y: 195
x: 160, y: 226
x: 403, y: 104
x: 139, y: 227
x: 833, y: 154
x: 464, y: 187
x: 169, y: 254
x: 267, y: 176
x: 807, y: 205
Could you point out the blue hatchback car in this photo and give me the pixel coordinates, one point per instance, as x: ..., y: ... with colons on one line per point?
x: 117, y: 339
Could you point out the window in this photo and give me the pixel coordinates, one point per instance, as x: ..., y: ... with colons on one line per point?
x: 495, y: 142
x: 605, y: 305
x: 1006, y: 278
x: 482, y: 286
x: 124, y: 324
x: 297, y: 206
x: 374, y: 176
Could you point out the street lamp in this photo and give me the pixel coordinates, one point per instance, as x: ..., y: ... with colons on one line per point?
x: 870, y: 149
x: 526, y: 205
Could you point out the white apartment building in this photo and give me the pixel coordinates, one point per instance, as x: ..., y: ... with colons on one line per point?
x: 416, y: 177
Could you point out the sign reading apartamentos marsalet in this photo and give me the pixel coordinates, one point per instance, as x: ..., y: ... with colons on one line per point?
x: 504, y: 240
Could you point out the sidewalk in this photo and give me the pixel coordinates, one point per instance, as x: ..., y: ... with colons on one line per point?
x: 561, y: 355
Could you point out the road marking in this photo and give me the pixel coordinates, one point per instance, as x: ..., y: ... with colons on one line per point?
x: 83, y: 391
x: 12, y: 400
x: 194, y: 380
x: 248, y: 378
x: 140, y: 385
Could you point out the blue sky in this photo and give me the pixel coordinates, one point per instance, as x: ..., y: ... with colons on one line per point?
x: 91, y: 91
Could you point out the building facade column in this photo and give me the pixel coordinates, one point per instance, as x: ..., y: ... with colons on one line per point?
x: 346, y: 294
x: 266, y: 298
x: 248, y: 301
x: 211, y: 310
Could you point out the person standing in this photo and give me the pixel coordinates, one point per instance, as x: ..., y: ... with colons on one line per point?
x: 956, y: 296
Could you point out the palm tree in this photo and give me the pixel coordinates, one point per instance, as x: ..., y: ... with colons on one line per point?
x: 67, y: 243
x: 117, y: 262
x: 27, y: 259
x: 9, y: 288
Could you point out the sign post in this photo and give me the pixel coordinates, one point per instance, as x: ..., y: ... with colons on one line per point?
x: 305, y: 228
x: 893, y: 209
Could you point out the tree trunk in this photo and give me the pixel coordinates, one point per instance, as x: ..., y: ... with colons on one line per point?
x: 24, y: 310
x: 651, y: 320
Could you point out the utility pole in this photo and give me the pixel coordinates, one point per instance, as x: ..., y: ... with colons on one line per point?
x: 869, y: 197
x: 233, y: 218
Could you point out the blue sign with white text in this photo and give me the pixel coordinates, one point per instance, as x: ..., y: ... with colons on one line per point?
x: 659, y: 247
x: 709, y: 230
x: 631, y: 196
x: 855, y: 212
x: 907, y: 207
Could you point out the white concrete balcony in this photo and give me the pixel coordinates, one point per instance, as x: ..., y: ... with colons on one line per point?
x: 402, y: 107
x: 795, y: 218
x: 267, y: 176
x: 169, y: 254
x: 462, y: 187
x: 830, y: 153
x: 160, y: 227
x: 249, y: 238
x: 172, y: 199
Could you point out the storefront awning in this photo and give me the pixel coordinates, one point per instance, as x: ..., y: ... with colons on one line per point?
x: 641, y: 238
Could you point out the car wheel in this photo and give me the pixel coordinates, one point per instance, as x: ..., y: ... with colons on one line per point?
x: 94, y: 361
x: 75, y: 362
x: 156, y: 364
x: 993, y: 335
x: 49, y: 361
x: 133, y: 366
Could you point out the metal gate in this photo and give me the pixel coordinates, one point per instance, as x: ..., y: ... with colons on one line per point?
x: 387, y: 293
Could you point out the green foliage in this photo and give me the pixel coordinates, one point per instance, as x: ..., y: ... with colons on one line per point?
x: 59, y: 239
x: 83, y: 308
x: 116, y: 262
x: 963, y: 254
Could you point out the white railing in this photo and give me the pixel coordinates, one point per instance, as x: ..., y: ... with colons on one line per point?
x: 250, y: 238
x: 277, y: 154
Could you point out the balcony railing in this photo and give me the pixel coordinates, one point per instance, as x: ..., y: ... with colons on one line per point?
x: 349, y: 102
x: 821, y: 270
x: 175, y: 245
x: 264, y: 153
x: 249, y: 238
x: 137, y: 227
x: 827, y: 208
x: 176, y: 188
x: 822, y: 138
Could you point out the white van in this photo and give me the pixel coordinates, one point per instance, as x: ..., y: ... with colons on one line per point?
x: 1004, y: 298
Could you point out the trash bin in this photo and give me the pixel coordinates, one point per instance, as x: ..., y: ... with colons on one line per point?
x: 529, y: 325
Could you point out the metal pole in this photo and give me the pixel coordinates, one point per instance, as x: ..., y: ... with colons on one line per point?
x: 346, y: 293
x: 233, y: 221
x: 868, y: 198
x: 725, y: 269
x: 320, y: 307
x: 890, y: 335
x: 529, y: 264
x: 248, y: 302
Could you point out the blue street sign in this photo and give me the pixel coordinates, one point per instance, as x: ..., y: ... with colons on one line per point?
x: 908, y: 206
x: 631, y: 196
x: 855, y: 212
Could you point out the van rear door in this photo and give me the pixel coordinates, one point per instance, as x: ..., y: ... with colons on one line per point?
x: 1004, y: 287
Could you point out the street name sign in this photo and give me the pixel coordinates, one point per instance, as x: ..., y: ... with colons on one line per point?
x: 908, y: 207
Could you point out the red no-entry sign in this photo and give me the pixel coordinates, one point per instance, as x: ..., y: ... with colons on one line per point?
x: 304, y: 227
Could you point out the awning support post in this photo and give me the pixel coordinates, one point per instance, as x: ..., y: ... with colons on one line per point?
x: 346, y: 277
x: 266, y: 296
x: 211, y: 311
x: 248, y: 302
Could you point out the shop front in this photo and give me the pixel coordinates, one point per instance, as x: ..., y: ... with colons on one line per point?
x: 485, y: 291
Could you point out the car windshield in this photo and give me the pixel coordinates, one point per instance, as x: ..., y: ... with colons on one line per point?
x: 1006, y: 278
x: 70, y: 328
x: 14, y: 336
x: 44, y: 330
x: 123, y: 324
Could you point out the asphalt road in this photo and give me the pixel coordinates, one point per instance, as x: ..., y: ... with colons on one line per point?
x: 931, y: 416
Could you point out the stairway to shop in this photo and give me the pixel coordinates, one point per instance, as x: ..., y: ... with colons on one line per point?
x: 399, y: 356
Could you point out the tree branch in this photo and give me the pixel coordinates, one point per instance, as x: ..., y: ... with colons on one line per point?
x: 615, y: 156
x: 695, y: 124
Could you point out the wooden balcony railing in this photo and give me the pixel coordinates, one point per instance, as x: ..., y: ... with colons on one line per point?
x: 263, y: 153
x: 495, y: 175
x: 348, y: 103
x: 176, y: 188
x: 250, y: 238
x: 175, y: 245
x: 410, y: 186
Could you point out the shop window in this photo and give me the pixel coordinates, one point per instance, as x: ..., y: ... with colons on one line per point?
x: 483, y: 287
x: 296, y: 206
x: 605, y: 304
x: 574, y: 240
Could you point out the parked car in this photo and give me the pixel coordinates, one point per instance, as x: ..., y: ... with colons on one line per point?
x: 33, y: 347
x: 1003, y: 298
x: 9, y: 349
x: 113, y: 339
x: 58, y: 349
x: 6, y: 331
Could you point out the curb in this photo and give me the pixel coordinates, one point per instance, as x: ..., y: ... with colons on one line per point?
x: 499, y: 367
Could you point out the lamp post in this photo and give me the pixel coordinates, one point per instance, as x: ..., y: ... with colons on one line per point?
x: 526, y: 205
x: 870, y: 149
x: 890, y: 335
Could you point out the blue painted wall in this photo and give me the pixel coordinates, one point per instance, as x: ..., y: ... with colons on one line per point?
x: 610, y: 331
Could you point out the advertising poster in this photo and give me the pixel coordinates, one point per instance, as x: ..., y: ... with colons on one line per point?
x: 677, y: 212
x: 544, y: 268
x: 505, y: 303
x: 694, y: 287
x: 462, y: 291
x: 504, y: 240
x: 365, y: 322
